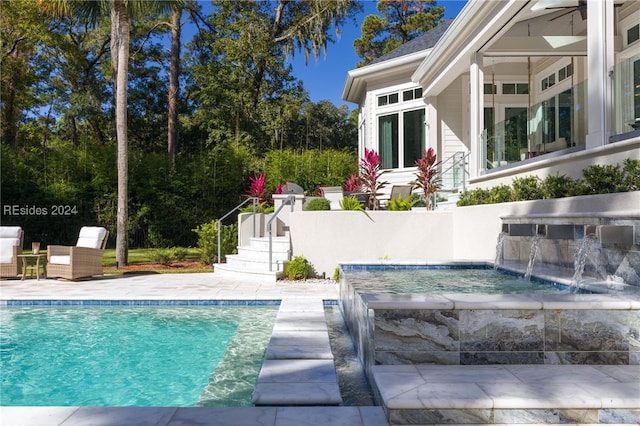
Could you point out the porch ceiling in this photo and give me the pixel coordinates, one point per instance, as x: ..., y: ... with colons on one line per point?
x: 509, y: 29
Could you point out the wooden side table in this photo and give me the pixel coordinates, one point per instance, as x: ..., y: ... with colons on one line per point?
x: 40, y: 260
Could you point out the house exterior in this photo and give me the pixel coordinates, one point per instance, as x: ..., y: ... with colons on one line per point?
x: 509, y: 88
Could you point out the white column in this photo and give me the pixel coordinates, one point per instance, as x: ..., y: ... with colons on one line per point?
x: 431, y: 124
x: 600, y: 38
x: 476, y: 114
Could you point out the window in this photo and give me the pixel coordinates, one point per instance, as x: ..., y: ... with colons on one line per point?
x: 388, y: 99
x: 515, y: 88
x: 401, y: 138
x: 633, y: 34
x: 565, y: 72
x: 413, y: 123
x: 409, y: 95
x: 388, y: 141
x: 488, y: 87
x: 549, y: 81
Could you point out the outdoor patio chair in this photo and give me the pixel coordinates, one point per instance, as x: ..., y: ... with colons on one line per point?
x: 11, y: 238
x: 334, y: 194
x: 82, y: 260
x: 396, y: 191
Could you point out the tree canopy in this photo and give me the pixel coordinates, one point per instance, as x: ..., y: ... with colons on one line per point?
x: 236, y: 102
x: 401, y: 21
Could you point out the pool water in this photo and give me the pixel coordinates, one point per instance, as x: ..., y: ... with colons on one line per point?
x: 444, y: 281
x: 132, y: 356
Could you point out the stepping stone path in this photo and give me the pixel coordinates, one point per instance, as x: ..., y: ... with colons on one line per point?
x: 298, y: 367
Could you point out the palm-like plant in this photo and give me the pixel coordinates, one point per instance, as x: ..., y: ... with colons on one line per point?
x: 370, y: 172
x: 427, y: 177
x: 120, y: 12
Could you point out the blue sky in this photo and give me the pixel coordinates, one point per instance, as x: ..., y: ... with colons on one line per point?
x: 324, y: 78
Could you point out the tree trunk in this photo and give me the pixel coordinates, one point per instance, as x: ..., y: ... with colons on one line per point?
x: 120, y: 34
x: 174, y: 87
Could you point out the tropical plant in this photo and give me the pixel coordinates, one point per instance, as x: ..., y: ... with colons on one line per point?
x: 298, y: 268
x: 399, y: 203
x: 258, y: 187
x: 353, y: 184
x: 427, y: 177
x: 351, y: 203
x: 370, y: 173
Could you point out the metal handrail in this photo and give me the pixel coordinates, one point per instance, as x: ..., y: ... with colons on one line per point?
x: 455, y: 162
x: 219, y: 222
x: 291, y: 199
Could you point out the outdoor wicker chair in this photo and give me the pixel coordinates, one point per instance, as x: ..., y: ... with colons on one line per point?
x: 82, y: 260
x: 11, y: 238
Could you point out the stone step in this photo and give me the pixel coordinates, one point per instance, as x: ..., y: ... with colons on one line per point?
x: 277, y: 243
x: 298, y: 367
x: 493, y: 394
x: 242, y: 263
x: 259, y: 253
x: 225, y: 270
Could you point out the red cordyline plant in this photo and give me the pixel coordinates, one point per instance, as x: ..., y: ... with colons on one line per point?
x: 353, y: 184
x: 258, y: 187
x: 427, y: 175
x: 370, y: 172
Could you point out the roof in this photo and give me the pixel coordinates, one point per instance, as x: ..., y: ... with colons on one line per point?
x: 418, y: 44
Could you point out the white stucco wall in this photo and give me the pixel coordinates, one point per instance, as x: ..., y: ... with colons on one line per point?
x: 466, y: 233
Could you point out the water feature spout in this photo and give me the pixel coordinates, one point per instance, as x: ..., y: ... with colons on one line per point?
x: 501, y: 237
x: 580, y: 258
x: 533, y: 252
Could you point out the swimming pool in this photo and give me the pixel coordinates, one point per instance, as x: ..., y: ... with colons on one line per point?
x: 400, y: 279
x: 132, y: 356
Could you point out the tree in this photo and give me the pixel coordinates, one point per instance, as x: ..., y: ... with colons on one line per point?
x: 174, y: 87
x: 240, y: 74
x: 401, y: 21
x: 120, y: 12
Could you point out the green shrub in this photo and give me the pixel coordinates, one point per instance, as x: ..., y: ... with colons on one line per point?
x: 336, y: 274
x: 603, y: 179
x: 318, y: 204
x: 208, y: 241
x: 631, y: 174
x: 399, y: 203
x: 163, y: 256
x: 351, y: 203
x: 260, y: 208
x: 474, y: 197
x: 501, y: 194
x: 560, y: 186
x: 298, y: 268
x: 179, y: 253
x: 526, y: 188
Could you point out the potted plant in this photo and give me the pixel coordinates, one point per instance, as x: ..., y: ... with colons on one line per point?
x: 427, y: 177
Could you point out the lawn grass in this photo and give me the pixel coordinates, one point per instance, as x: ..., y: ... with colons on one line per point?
x: 144, y: 260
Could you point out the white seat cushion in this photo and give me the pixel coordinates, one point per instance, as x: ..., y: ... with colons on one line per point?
x: 10, y: 232
x: 60, y: 260
x: 91, y: 237
x: 6, y: 249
